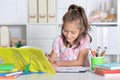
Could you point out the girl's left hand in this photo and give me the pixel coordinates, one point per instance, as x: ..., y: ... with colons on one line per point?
x: 54, y: 65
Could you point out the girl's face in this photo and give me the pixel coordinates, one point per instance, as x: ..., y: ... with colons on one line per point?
x: 71, y: 31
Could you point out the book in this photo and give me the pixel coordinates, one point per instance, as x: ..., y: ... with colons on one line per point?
x: 111, y: 66
x: 22, y: 57
x: 6, y: 66
x: 11, y: 73
x: 72, y: 69
x: 106, y: 72
x: 7, y: 78
x: 5, y: 36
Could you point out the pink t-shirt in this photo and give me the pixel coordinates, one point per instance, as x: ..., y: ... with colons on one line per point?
x: 69, y: 53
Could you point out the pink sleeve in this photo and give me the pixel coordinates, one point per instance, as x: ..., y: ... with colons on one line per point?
x: 85, y: 42
x: 55, y: 45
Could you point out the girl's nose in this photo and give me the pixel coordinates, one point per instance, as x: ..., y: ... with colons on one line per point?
x: 68, y: 34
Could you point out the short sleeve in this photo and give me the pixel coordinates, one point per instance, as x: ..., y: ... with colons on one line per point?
x: 85, y: 42
x: 55, y: 45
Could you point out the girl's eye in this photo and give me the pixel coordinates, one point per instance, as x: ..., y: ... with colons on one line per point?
x: 73, y: 32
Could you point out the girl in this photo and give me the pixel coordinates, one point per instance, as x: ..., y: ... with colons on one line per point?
x: 74, y: 42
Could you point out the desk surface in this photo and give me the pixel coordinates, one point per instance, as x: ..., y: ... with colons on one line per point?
x: 67, y: 76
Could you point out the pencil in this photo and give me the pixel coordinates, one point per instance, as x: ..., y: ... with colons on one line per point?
x: 93, y: 53
x: 102, y: 53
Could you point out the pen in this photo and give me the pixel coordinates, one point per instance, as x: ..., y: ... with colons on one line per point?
x: 103, y: 52
x: 98, y: 52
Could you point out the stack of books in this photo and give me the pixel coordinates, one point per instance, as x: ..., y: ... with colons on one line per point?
x: 108, y: 69
x: 7, y: 78
x: 7, y: 71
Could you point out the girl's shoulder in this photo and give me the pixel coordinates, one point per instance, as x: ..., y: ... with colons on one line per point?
x: 86, y: 38
x: 58, y: 37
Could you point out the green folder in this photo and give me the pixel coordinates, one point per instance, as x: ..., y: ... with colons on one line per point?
x: 6, y: 66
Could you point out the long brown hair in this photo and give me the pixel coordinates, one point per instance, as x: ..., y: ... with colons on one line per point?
x: 76, y: 13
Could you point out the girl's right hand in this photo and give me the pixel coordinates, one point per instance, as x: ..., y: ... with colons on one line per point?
x: 54, y: 66
x: 52, y: 63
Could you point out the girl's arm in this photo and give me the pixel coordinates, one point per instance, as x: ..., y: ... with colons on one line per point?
x: 79, y: 62
x: 52, y: 57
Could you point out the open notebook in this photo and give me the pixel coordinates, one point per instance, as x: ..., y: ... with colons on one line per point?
x: 71, y: 69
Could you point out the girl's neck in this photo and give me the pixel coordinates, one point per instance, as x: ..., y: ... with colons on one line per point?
x: 70, y: 45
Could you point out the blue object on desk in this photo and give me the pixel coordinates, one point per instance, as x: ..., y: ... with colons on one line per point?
x: 34, y: 73
x: 11, y: 73
x: 111, y: 66
x: 26, y: 70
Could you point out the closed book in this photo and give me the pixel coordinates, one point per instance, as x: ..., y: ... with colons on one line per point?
x: 111, y: 66
x: 4, y: 36
x: 32, y: 11
x: 11, y: 73
x: 52, y: 11
x: 42, y: 10
x: 7, y: 78
x: 106, y: 72
x: 6, y: 66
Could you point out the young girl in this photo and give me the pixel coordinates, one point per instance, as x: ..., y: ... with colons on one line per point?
x: 74, y: 42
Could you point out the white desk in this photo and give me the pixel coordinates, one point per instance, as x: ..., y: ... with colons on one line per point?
x: 66, y: 76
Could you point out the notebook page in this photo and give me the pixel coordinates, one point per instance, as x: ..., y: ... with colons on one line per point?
x: 72, y: 69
